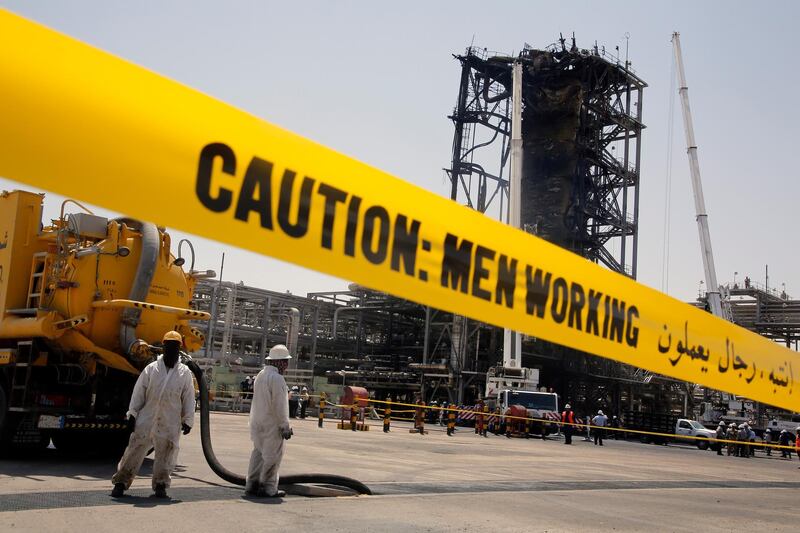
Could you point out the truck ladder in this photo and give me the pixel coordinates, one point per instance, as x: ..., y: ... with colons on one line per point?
x: 20, y: 377
x: 36, y: 284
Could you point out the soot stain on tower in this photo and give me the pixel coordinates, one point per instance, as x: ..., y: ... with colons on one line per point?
x: 581, y: 135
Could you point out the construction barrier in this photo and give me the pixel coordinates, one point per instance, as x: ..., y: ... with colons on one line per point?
x: 419, y: 418
x: 387, y: 416
x: 586, y: 426
x: 490, y: 420
x: 496, y: 419
x: 321, y: 409
x: 80, y: 122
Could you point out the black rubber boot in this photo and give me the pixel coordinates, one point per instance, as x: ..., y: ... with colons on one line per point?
x: 161, y: 491
x: 118, y: 491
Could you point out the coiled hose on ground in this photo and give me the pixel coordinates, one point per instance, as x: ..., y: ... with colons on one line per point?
x: 230, y: 477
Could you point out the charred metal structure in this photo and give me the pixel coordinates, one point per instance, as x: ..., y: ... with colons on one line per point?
x: 581, y: 125
x: 581, y: 139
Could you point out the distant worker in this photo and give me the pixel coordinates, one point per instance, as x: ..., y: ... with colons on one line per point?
x: 162, y: 405
x: 784, y: 438
x: 599, y: 422
x: 294, y: 401
x: 721, y: 433
x: 451, y: 421
x: 304, y: 398
x: 616, y: 424
x: 743, y: 437
x: 269, y: 425
x: 485, y: 421
x: 747, y: 282
x: 479, y: 418
x: 494, y: 417
x: 733, y: 437
x: 567, y: 419
x: 752, y: 439
x: 247, y: 384
x: 432, y: 413
x: 768, y: 441
x: 797, y: 443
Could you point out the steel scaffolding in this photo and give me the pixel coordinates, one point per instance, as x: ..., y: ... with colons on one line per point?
x: 581, y: 152
x: 357, y: 336
x: 582, y: 126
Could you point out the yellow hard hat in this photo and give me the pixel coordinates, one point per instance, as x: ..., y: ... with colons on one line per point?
x: 172, y: 336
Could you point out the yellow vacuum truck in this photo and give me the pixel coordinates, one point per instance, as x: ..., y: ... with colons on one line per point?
x: 84, y: 303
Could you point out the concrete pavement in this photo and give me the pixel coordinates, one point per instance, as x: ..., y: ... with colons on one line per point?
x: 427, y: 483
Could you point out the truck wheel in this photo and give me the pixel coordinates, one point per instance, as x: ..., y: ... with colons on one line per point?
x: 70, y: 443
x: 90, y: 444
x: 702, y: 444
x: 114, y: 445
x: 3, y: 407
x: 17, y: 438
x: 3, y: 418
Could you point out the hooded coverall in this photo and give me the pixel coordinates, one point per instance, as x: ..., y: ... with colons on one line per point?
x: 269, y: 419
x: 163, y: 399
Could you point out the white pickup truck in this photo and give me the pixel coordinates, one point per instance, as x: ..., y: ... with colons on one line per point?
x: 681, y: 429
x: 692, y: 428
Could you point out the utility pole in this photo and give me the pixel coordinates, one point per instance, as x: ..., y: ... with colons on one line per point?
x: 712, y: 287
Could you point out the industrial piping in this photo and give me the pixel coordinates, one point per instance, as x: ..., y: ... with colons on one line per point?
x: 141, y: 284
x: 230, y: 477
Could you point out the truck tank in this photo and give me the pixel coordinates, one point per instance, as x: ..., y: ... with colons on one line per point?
x: 84, y: 302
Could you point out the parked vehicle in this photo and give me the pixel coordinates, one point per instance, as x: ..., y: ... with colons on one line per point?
x: 669, y: 427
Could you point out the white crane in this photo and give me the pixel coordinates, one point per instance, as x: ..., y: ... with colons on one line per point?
x: 712, y: 292
x: 512, y: 340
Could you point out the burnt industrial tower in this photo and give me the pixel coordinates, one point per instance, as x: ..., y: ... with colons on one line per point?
x: 581, y: 148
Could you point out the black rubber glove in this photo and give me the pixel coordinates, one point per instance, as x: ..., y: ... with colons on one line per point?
x: 131, y: 423
x: 186, y: 429
x: 287, y: 433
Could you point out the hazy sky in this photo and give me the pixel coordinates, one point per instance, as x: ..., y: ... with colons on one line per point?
x: 376, y: 80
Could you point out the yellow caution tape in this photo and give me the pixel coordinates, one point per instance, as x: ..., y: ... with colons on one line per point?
x: 673, y: 436
x: 83, y: 123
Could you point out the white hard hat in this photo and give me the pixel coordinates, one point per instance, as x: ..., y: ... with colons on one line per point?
x: 600, y: 412
x: 278, y: 352
x: 568, y: 406
x: 721, y: 423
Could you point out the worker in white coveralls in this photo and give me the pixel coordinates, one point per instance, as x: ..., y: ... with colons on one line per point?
x: 161, y: 407
x: 269, y: 425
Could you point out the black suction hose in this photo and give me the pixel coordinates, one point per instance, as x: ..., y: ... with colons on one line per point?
x: 230, y: 477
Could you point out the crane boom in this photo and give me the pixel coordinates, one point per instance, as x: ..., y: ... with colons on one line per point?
x: 712, y: 288
x: 512, y: 340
